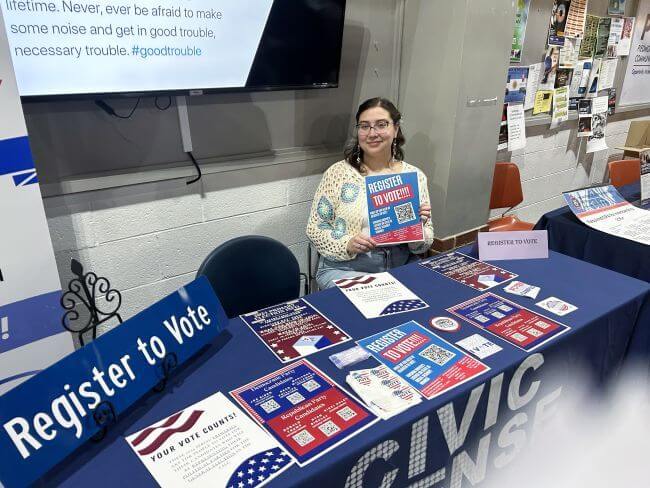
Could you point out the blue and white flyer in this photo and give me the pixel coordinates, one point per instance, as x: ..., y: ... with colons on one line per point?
x: 294, y: 329
x: 423, y: 359
x: 304, y: 410
x: 394, y: 208
x: 604, y: 209
x: 209, y: 444
x: 379, y: 295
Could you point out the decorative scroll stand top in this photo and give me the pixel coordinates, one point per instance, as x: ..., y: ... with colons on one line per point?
x: 83, y: 314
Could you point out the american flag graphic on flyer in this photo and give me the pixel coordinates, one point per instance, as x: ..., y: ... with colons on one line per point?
x: 209, y: 444
x: 379, y: 295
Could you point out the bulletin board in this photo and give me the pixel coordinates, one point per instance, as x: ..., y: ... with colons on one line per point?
x: 537, y: 28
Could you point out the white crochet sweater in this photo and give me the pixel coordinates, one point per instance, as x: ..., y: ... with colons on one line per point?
x: 337, y: 213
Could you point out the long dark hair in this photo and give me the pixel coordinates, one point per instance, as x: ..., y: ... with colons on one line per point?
x: 353, y: 151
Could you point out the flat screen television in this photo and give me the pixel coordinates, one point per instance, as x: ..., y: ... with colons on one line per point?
x: 107, y: 48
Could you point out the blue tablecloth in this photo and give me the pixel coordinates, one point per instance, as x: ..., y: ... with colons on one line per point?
x: 566, y: 234
x: 461, y: 435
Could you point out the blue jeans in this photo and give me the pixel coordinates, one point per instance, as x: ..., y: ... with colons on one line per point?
x: 376, y: 261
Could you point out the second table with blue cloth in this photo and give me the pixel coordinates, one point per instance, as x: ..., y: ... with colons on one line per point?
x: 455, y: 439
x: 566, y: 234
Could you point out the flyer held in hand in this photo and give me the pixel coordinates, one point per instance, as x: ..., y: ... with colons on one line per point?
x: 394, y: 208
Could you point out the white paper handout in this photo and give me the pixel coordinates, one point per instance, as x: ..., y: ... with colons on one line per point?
x: 607, y: 74
x: 594, y: 73
x: 479, y: 346
x: 534, y: 73
x: 580, y: 79
x: 383, y: 392
x: 604, y: 208
x: 615, y: 32
x: 624, y: 44
x: 379, y: 295
x: 522, y: 289
x: 209, y: 444
x: 569, y: 52
x: 516, y: 127
x: 596, y: 141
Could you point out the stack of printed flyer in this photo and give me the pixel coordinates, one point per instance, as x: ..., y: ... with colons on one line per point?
x: 385, y: 393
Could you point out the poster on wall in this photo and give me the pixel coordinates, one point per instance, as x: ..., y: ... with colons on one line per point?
x: 602, y: 36
x: 596, y: 141
x: 616, y: 7
x: 575, y: 23
x: 521, y: 19
x: 31, y: 336
x: 516, y: 85
x: 625, y: 43
x: 558, y: 22
x: 588, y: 44
x: 637, y: 75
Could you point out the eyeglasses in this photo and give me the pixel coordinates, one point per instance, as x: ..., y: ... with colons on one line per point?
x: 380, y: 126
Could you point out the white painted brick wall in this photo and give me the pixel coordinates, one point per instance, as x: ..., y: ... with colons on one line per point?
x: 150, y: 239
x: 554, y: 161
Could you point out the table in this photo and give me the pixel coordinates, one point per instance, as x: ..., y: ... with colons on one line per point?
x: 566, y: 234
x: 413, y: 448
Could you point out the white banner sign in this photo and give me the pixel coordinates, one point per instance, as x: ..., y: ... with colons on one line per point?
x: 636, y: 87
x: 31, y: 336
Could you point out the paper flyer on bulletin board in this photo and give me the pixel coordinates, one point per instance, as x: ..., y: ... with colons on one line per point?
x: 394, y: 208
x: 521, y: 20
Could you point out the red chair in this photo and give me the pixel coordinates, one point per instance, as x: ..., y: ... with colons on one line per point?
x: 507, y: 193
x: 624, y: 172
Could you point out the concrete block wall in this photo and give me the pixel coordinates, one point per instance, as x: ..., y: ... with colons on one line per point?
x: 554, y: 161
x: 150, y: 239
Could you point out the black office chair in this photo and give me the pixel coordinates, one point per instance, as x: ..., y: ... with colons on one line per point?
x: 252, y: 272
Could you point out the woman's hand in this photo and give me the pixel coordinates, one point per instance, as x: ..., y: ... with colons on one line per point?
x: 360, y: 244
x: 425, y: 212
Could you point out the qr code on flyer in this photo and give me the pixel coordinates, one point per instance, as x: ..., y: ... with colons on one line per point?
x: 437, y: 354
x: 303, y: 438
x: 404, y: 212
x: 270, y: 405
x: 329, y: 428
x: 346, y: 413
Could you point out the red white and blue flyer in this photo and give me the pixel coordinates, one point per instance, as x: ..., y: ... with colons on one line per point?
x: 294, y: 329
x: 468, y: 271
x: 394, y: 208
x: 511, y: 322
x: 210, y: 444
x: 423, y: 359
x: 304, y: 410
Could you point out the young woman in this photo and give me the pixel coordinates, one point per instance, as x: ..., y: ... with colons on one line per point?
x: 338, y: 223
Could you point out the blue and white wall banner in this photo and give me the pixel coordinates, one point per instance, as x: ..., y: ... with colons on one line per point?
x: 31, y: 335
